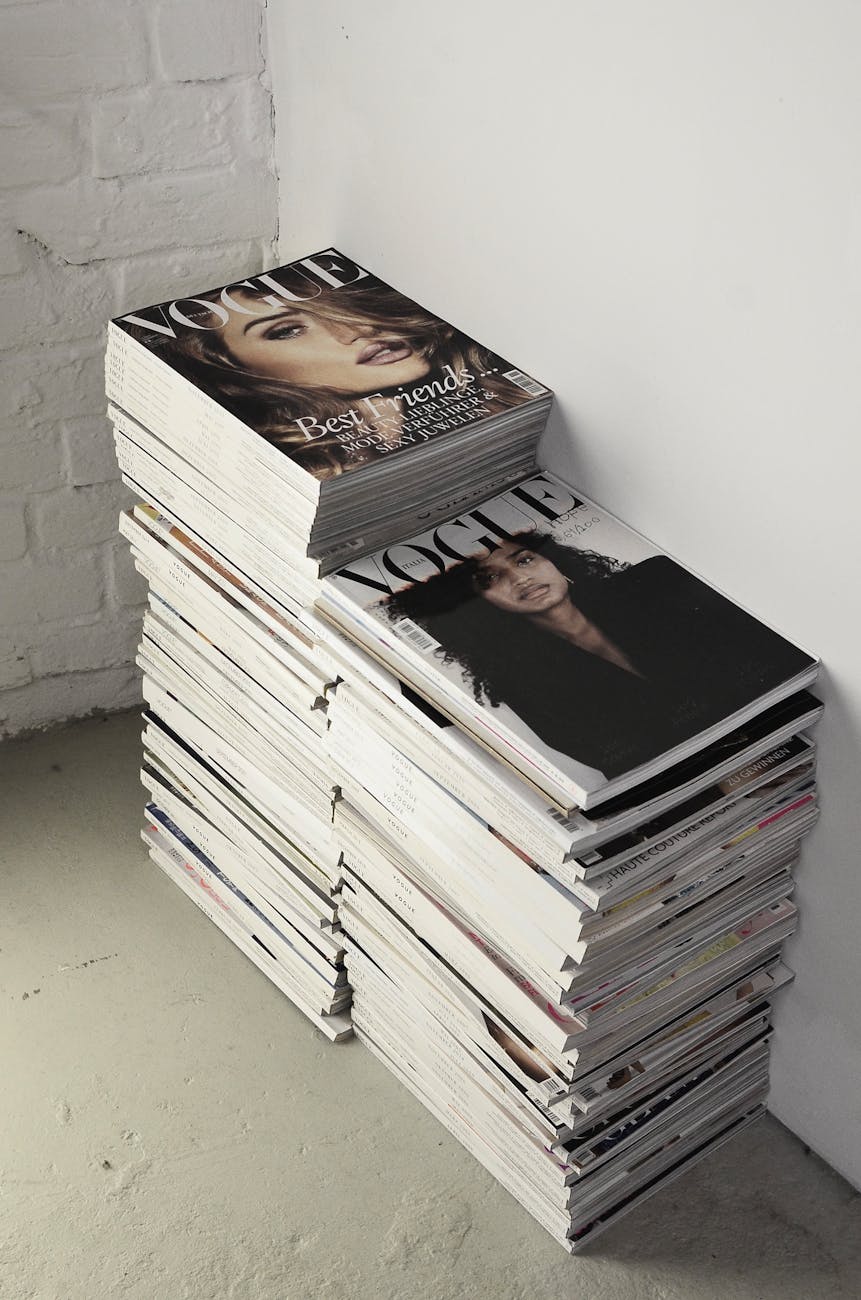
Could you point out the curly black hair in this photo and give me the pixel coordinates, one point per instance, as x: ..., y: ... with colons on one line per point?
x: 487, y: 643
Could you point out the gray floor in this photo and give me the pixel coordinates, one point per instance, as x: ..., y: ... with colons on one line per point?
x: 171, y: 1129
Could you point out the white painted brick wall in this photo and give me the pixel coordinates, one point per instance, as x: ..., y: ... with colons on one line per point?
x: 135, y: 164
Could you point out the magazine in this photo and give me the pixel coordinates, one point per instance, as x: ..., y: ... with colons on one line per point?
x: 563, y: 640
x: 199, y: 683
x: 296, y: 811
x: 449, y: 1082
x: 287, y: 637
x: 720, y: 1076
x: 505, y: 1172
x: 682, y: 1160
x: 246, y: 880
x: 420, y: 736
x: 316, y: 880
x: 218, y: 904
x: 279, y: 882
x: 675, y: 1047
x: 199, y: 518
x: 773, y: 770
x: 553, y: 1027
x: 320, y: 359
x: 613, y: 889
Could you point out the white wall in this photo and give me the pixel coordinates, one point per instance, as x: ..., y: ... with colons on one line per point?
x: 135, y: 164
x: 656, y: 208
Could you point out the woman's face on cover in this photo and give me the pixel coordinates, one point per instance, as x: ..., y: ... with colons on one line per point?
x: 519, y: 581
x: 305, y: 349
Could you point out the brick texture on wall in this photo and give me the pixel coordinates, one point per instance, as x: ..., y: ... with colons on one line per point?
x: 136, y: 164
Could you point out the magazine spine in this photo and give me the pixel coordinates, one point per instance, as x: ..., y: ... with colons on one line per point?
x: 291, y: 637
x: 446, y: 829
x: 309, y: 902
x: 336, y: 1027
x: 533, y: 1014
x: 175, y: 572
x: 611, y: 891
x: 461, y: 767
x: 488, y: 919
x: 178, y: 412
x: 269, y: 790
x: 148, y: 480
x: 708, y: 817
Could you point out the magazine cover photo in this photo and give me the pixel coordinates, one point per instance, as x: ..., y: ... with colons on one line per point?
x: 572, y: 628
x: 330, y: 364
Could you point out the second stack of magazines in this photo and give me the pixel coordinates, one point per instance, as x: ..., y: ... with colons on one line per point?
x: 519, y: 785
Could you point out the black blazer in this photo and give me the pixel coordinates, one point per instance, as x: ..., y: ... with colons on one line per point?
x: 699, y: 658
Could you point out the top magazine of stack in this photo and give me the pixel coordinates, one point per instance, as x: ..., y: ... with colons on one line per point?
x: 317, y: 391
x: 564, y: 642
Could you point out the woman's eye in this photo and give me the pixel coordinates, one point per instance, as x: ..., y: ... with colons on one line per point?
x: 285, y: 331
x: 484, y: 580
x: 524, y: 559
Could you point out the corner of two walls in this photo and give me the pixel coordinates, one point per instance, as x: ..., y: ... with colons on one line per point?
x: 137, y: 164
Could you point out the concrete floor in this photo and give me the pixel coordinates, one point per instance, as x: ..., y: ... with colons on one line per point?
x: 171, y: 1129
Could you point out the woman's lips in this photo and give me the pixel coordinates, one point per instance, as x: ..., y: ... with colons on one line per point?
x: 382, y: 352
x: 532, y: 593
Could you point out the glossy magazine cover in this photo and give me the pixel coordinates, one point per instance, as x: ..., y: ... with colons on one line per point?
x: 550, y: 618
x: 330, y: 364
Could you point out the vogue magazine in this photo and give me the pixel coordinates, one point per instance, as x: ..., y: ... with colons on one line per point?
x: 330, y: 364
x: 561, y: 632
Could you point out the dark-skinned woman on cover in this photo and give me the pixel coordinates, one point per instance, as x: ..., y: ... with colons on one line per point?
x: 609, y: 663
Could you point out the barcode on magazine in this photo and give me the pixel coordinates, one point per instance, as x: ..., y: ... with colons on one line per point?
x: 523, y: 381
x: 416, y: 635
x: 588, y: 1092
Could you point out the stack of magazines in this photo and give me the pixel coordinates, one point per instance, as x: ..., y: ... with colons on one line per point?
x: 264, y: 425
x: 241, y: 789
x: 574, y: 779
x: 522, y: 786
x: 263, y: 397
